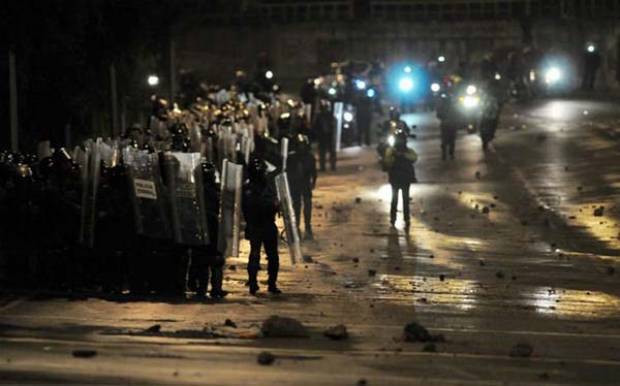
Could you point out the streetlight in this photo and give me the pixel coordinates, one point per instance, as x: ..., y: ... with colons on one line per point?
x: 152, y: 80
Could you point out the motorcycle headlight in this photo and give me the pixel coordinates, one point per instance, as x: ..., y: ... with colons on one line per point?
x: 553, y: 75
x: 471, y: 89
x: 470, y: 102
x: 348, y: 116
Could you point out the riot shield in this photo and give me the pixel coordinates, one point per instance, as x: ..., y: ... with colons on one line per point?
x: 147, y: 194
x: 338, y: 114
x: 284, y: 152
x: 90, y: 185
x: 230, y: 209
x: 183, y: 177
x: 290, y: 222
x: 44, y: 149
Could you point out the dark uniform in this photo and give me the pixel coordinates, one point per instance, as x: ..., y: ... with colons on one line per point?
x: 489, y: 121
x: 324, y: 128
x: 207, y: 261
x: 260, y: 206
x: 302, y: 175
x: 399, y: 162
x: 448, y: 116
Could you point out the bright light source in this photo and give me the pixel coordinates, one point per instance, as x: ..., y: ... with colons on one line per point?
x: 471, y: 89
x: 407, y: 69
x: 331, y: 91
x: 441, y: 59
x: 391, y: 140
x: 370, y: 93
x: 435, y: 87
x: 360, y: 84
x: 405, y: 84
x: 471, y: 101
x: 553, y: 75
x: 348, y: 116
x: 318, y: 81
x: 269, y: 74
x: 152, y: 80
x: 532, y: 76
x: 591, y: 48
x: 498, y: 76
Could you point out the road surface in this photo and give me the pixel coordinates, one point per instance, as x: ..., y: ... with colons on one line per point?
x: 539, y: 269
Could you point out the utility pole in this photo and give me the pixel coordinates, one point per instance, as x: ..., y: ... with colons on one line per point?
x: 13, y: 102
x: 114, y: 97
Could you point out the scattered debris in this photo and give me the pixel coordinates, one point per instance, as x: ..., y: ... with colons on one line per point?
x: 485, y: 210
x: 442, y: 277
x: 477, y: 175
x: 580, y: 188
x: 481, y: 263
x: 154, y: 329
x: 308, y: 259
x: 362, y: 382
x: 356, y: 259
x: 521, y: 350
x: 429, y: 347
x: 338, y: 332
x: 598, y: 212
x: 499, y: 274
x: 611, y: 270
x: 358, y: 200
x: 266, y: 358
x: 415, y: 332
x: 283, y: 327
x: 372, y: 272
x: 544, y: 375
x: 230, y: 323
x: 84, y: 353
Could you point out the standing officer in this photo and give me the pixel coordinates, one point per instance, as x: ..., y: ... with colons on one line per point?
x: 301, y: 171
x: 489, y: 121
x: 324, y: 128
x: 448, y: 115
x: 207, y: 261
x: 260, y: 205
x: 399, y: 162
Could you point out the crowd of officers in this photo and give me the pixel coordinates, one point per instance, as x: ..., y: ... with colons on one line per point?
x: 41, y: 200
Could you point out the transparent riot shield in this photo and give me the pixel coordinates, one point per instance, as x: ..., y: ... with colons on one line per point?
x: 195, y: 138
x: 147, y: 193
x: 90, y: 185
x: 284, y: 152
x: 230, y: 209
x: 44, y: 149
x: 290, y: 222
x: 183, y: 179
x: 338, y: 114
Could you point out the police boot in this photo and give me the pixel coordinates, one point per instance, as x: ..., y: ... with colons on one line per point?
x: 273, y: 278
x: 252, y: 281
x: 309, y: 235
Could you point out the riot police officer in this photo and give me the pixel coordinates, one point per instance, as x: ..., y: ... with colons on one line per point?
x: 399, y: 162
x: 302, y: 175
x: 324, y: 128
x: 448, y: 115
x: 489, y: 121
x: 207, y: 261
x: 260, y: 206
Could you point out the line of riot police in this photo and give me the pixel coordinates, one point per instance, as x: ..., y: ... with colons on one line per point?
x: 160, y: 209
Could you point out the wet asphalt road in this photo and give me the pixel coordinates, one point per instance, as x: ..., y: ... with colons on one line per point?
x: 539, y: 268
